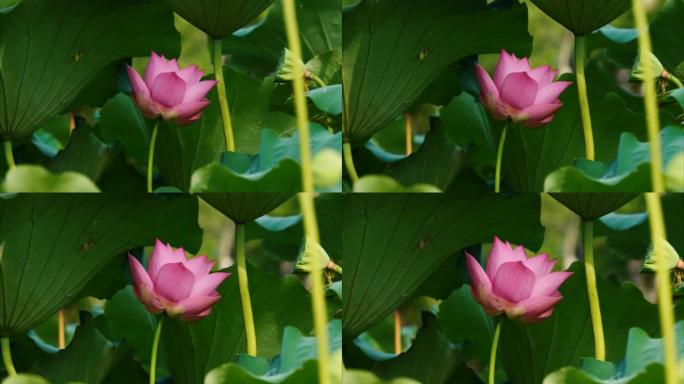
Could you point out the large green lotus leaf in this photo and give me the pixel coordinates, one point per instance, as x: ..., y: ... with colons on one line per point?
x: 591, y: 206
x: 88, y: 358
x: 121, y: 120
x: 386, y: 184
x: 260, y: 49
x: 630, y: 172
x: 85, y: 153
x: 34, y: 178
x: 195, y: 349
x: 393, y: 242
x: 364, y: 377
x: 54, y: 244
x: 219, y: 18
x: 52, y: 49
x: 571, y: 375
x: 394, y: 49
x: 531, y: 154
x: 583, y: 16
x: 530, y: 352
x: 667, y: 34
x: 245, y: 207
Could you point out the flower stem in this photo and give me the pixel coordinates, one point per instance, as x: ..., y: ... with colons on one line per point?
x: 243, y: 282
x: 349, y: 162
x: 223, y: 98
x: 397, y: 332
x: 155, y: 348
x: 334, y: 267
x: 295, y: 46
x: 317, y: 80
x: 320, y: 312
x: 664, y: 288
x: 580, y: 53
x: 9, y: 156
x: 650, y: 97
x: 492, y: 355
x: 61, y: 339
x: 592, y: 290
x: 409, y: 133
x: 499, y: 157
x: 7, y: 357
x: 150, y: 156
x: 675, y: 80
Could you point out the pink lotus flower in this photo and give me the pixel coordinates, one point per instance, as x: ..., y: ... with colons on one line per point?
x: 525, y: 95
x: 172, y: 283
x: 521, y: 287
x: 170, y: 92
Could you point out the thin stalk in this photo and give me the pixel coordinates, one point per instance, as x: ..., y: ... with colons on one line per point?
x: 298, y: 87
x: 223, y: 98
x: 155, y: 348
x: 150, y: 156
x: 580, y: 53
x: 674, y: 80
x: 664, y: 288
x: 492, y: 354
x: 349, y: 162
x: 243, y: 282
x: 9, y: 156
x: 61, y: 325
x: 397, y: 332
x: 409, y: 133
x: 499, y: 157
x: 592, y: 291
x: 334, y: 267
x: 650, y: 97
x: 7, y: 357
x: 317, y: 79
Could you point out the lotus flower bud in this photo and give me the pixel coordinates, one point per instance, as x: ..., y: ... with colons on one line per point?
x: 306, y: 257
x: 176, y: 285
x: 521, y: 287
x: 644, y: 61
x: 518, y: 92
x: 667, y: 255
x: 287, y: 63
x: 174, y: 94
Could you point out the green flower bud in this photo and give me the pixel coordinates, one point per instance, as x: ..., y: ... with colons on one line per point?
x: 287, y: 64
x: 643, y: 62
x: 327, y: 168
x: 667, y: 255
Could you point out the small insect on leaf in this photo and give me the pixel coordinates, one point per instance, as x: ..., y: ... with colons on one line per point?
x: 87, y: 245
x: 79, y: 54
x: 422, y: 55
x: 423, y: 243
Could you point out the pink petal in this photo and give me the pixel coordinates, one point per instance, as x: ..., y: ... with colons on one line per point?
x: 481, y: 287
x: 158, y: 64
x: 199, y: 265
x: 508, y: 64
x: 549, y: 284
x: 190, y: 308
x: 535, y: 114
x: 191, y: 74
x: 168, y: 89
x: 477, y: 274
x: 540, y: 265
x: 189, y: 120
x: 186, y: 110
x: 208, y: 284
x: 137, y: 84
x: 536, y: 306
x: 489, y: 94
x: 540, y: 75
x: 501, y: 253
x: 513, y: 282
x: 142, y: 286
x: 196, y: 92
x: 162, y: 254
x: 519, y: 90
x: 174, y: 282
x: 548, y: 94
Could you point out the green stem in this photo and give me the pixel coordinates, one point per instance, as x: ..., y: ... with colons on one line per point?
x: 492, y: 355
x: 675, y: 80
x: 592, y: 290
x: 223, y: 99
x: 243, y: 282
x: 499, y: 157
x: 317, y: 80
x: 150, y: 156
x: 349, y: 162
x: 320, y: 312
x: 580, y: 53
x: 298, y: 87
x: 9, y: 156
x: 664, y: 288
x: 650, y: 97
x: 335, y: 268
x: 7, y: 357
x: 155, y: 348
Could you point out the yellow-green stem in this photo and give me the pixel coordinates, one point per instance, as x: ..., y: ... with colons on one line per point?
x: 150, y: 156
x: 7, y: 357
x: 223, y: 98
x: 492, y: 354
x: 664, y: 288
x: 243, y: 282
x: 675, y: 80
x: 349, y: 162
x: 320, y: 312
x: 499, y: 157
x: 650, y: 97
x: 397, y: 332
x: 335, y: 268
x: 9, y: 156
x: 409, y: 133
x: 155, y: 348
x: 580, y: 54
x: 317, y: 80
x: 61, y: 325
x: 592, y: 290
x: 295, y: 46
